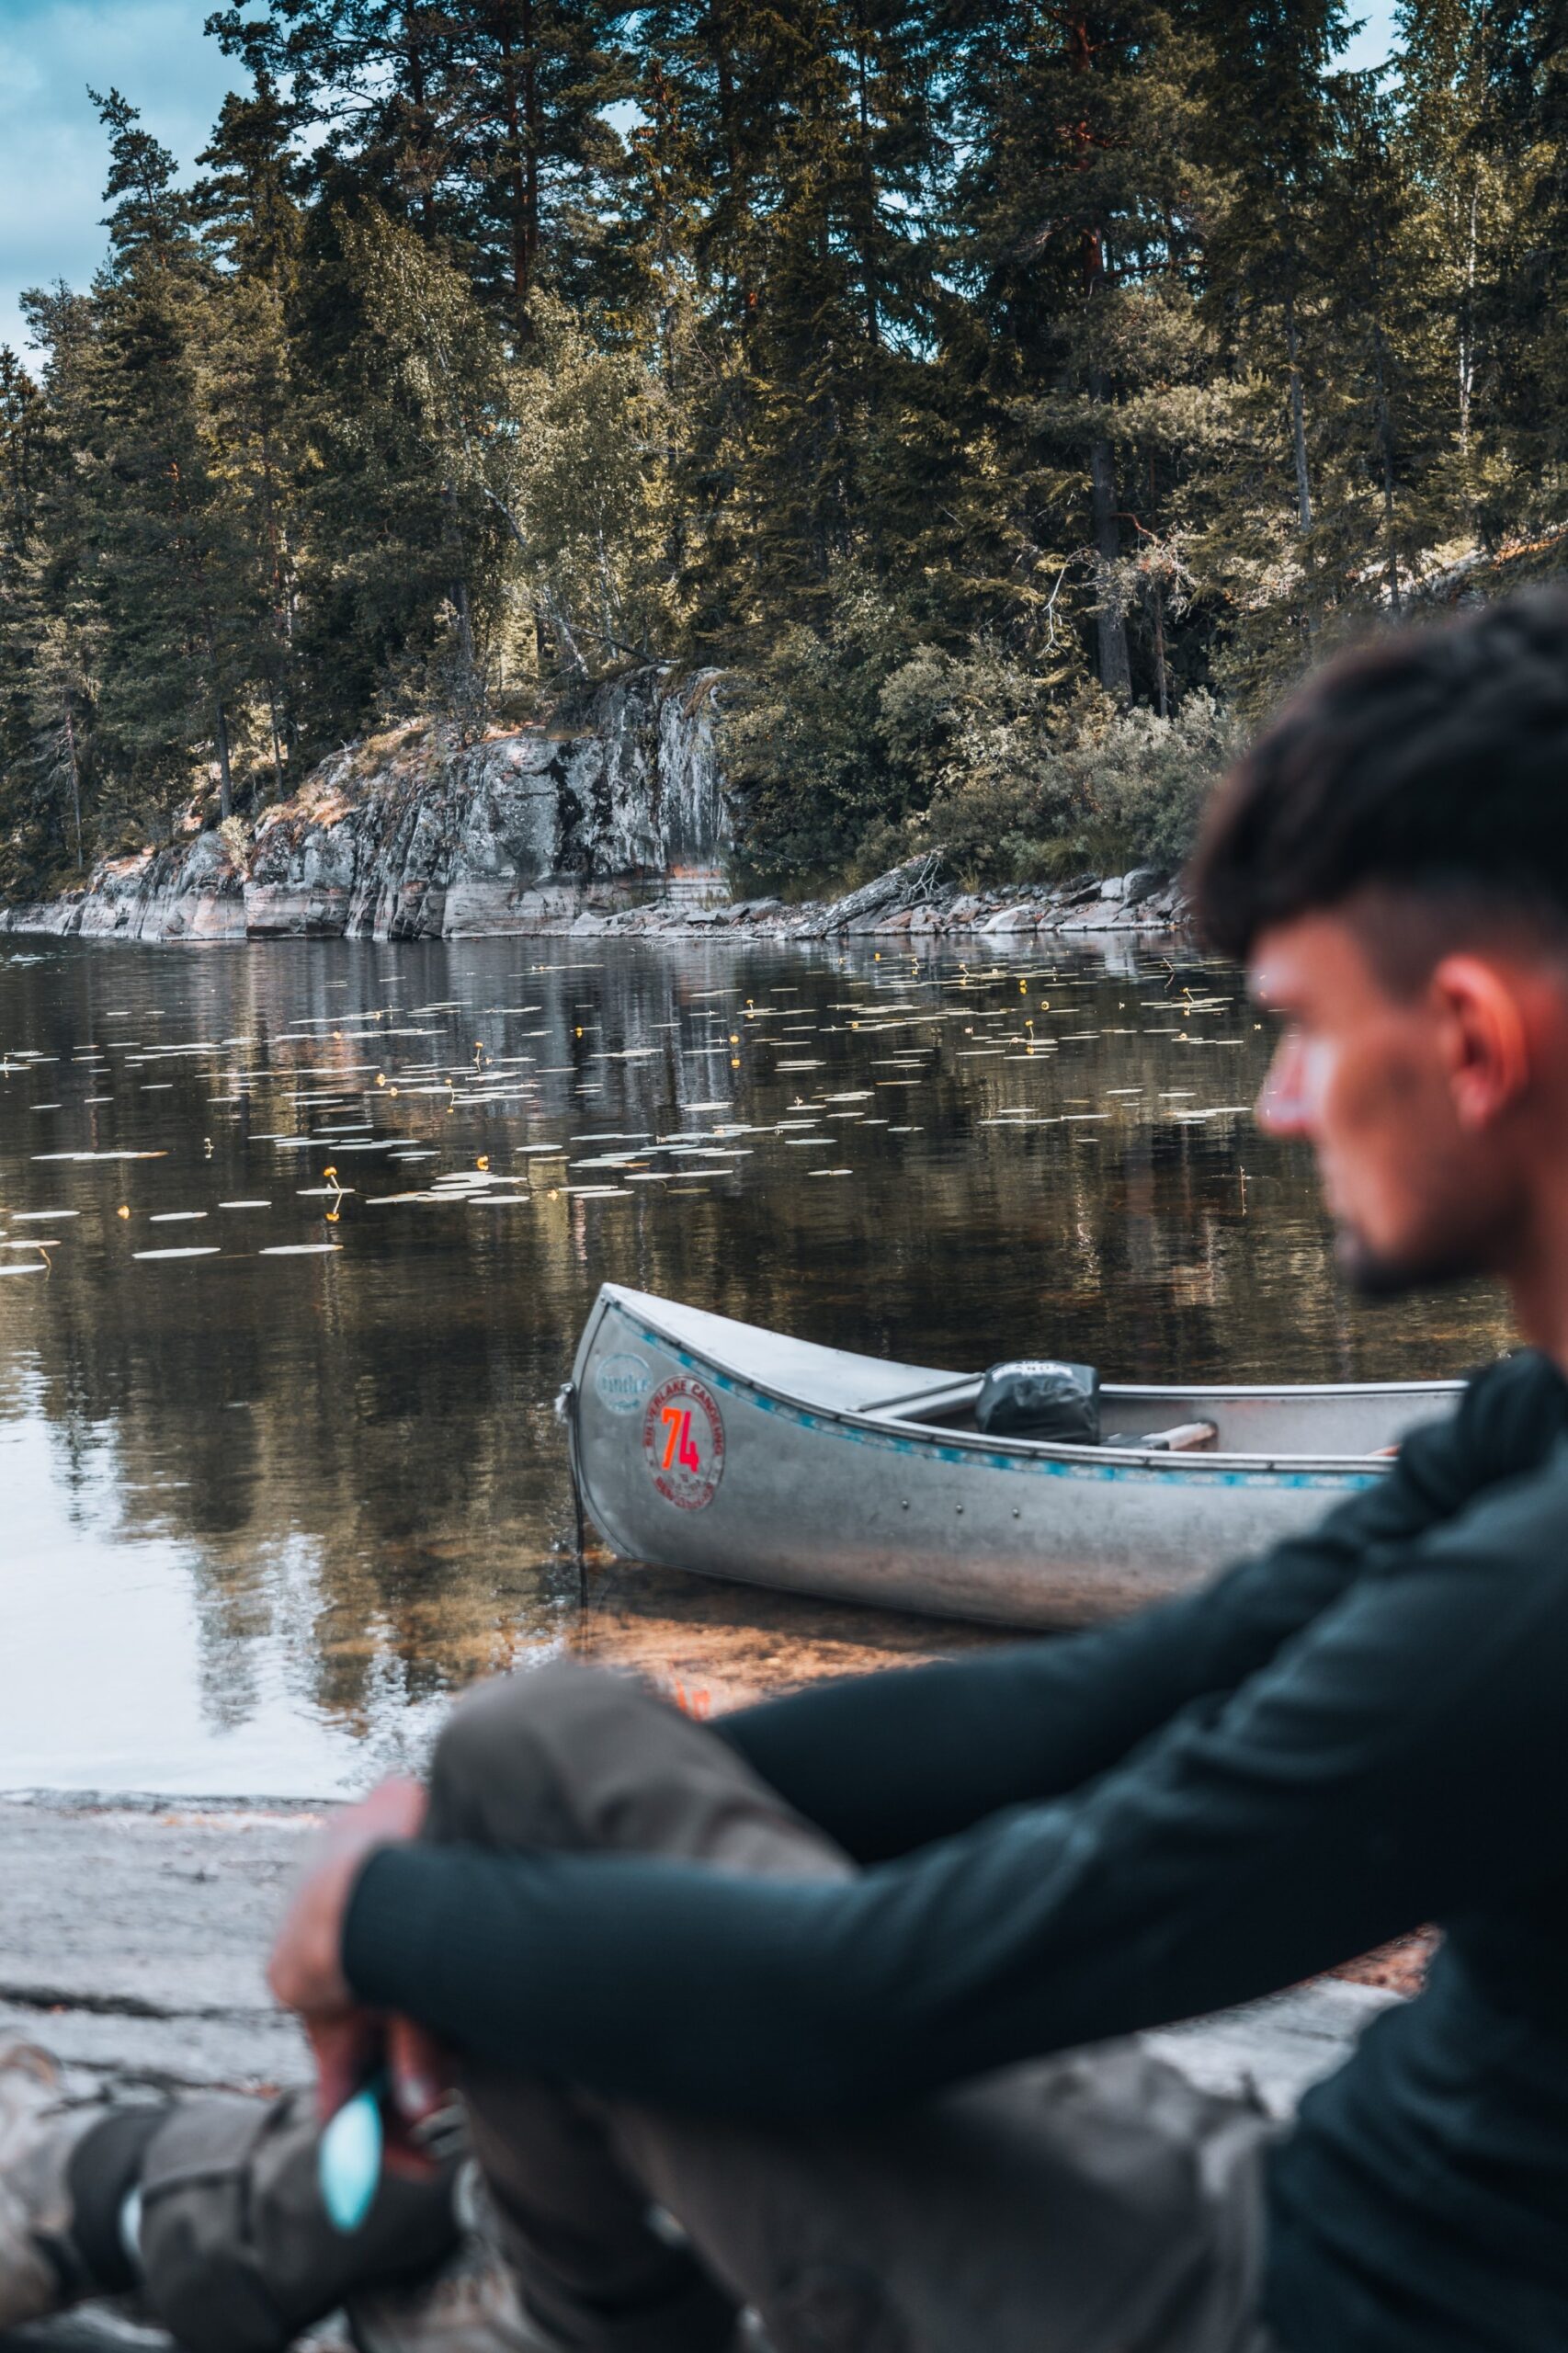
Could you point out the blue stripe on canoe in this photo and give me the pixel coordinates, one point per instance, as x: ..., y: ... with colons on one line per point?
x: 1040, y: 1465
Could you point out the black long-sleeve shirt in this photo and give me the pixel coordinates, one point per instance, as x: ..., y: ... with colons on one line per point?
x: 1362, y: 1731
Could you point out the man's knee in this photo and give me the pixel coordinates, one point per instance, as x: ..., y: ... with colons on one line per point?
x: 568, y: 1757
x: 563, y: 1756
x: 498, y: 1773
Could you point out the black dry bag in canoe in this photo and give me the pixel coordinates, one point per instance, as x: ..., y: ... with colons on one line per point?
x: 1039, y: 1397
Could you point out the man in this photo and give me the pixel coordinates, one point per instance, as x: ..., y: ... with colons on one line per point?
x: 773, y: 2012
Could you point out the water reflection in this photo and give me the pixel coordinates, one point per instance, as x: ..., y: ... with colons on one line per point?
x: 268, y: 1500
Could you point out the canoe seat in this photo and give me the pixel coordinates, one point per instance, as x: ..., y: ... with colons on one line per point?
x: 1185, y: 1438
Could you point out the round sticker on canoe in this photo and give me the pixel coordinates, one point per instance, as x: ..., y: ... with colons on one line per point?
x: 622, y: 1382
x: 683, y: 1439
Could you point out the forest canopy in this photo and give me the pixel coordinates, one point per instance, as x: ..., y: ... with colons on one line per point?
x: 1008, y: 398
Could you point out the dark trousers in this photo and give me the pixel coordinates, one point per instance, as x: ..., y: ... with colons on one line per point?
x: 1096, y: 2203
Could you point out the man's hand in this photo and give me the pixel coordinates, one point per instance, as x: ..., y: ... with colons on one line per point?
x: 306, y: 1969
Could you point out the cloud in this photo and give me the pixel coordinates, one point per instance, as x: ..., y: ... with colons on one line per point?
x: 52, y: 156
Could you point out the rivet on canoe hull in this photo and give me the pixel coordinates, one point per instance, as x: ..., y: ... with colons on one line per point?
x: 1016, y: 1511
x: 958, y: 1506
x: 904, y: 1504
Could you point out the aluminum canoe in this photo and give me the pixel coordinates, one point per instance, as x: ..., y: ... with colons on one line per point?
x: 704, y: 1444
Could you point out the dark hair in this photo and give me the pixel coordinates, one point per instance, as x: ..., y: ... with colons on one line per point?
x: 1433, y: 762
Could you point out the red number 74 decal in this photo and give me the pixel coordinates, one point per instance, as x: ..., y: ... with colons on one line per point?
x: 683, y: 1442
x: 678, y: 1424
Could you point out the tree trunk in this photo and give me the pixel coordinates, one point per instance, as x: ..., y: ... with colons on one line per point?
x: 716, y: 30
x: 220, y: 727
x: 414, y: 63
x: 465, y: 626
x: 1298, y: 419
x: 1467, y: 349
x: 277, y: 739
x: 531, y: 145
x: 1110, y: 624
x: 75, y: 784
x: 225, y: 784
x: 1161, y: 682
x: 606, y: 592
x: 458, y: 582
x: 563, y: 633
x: 868, y: 189
x: 517, y: 143
x: 1385, y: 444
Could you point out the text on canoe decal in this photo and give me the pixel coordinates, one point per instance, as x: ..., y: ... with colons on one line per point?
x: 622, y: 1381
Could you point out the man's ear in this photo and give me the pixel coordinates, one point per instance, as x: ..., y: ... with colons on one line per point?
x: 1484, y: 1036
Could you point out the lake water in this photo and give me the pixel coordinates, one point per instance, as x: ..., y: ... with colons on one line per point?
x: 296, y: 1241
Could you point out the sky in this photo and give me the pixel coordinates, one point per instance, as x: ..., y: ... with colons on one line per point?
x: 51, y: 146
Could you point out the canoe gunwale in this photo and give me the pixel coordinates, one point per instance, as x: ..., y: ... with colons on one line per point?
x: 924, y: 1436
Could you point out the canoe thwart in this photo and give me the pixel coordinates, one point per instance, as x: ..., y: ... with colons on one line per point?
x: 1188, y: 1437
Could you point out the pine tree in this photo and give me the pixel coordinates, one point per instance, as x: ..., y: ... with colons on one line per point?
x: 178, y: 618
x: 532, y: 150
x: 250, y: 208
x: 1080, y: 243
x: 479, y: 121
x: 376, y: 77
x: 50, y: 634
x: 20, y: 427
x: 1470, y: 214
x: 1269, y: 129
x: 1388, y: 437
x: 250, y: 203
x: 1522, y: 135
x: 417, y: 501
x: 21, y: 617
x: 800, y: 149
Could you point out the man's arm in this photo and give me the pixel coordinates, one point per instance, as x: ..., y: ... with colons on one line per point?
x: 884, y: 1764
x: 1386, y: 1767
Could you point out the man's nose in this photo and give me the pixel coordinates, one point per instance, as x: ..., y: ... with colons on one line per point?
x: 1282, y: 1105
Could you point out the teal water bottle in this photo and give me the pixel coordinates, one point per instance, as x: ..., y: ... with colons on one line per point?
x: 348, y: 2156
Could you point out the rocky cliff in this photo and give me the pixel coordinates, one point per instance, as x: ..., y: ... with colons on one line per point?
x: 409, y: 836
x: 615, y: 823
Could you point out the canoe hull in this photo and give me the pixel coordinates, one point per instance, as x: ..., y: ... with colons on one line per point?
x: 687, y: 1461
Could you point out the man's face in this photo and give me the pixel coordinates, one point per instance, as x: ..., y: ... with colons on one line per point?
x: 1417, y: 1191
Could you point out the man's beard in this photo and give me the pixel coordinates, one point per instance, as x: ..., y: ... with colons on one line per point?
x: 1375, y: 1274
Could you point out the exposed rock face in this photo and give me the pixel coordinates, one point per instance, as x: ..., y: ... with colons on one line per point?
x: 616, y: 825
x: 406, y: 838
